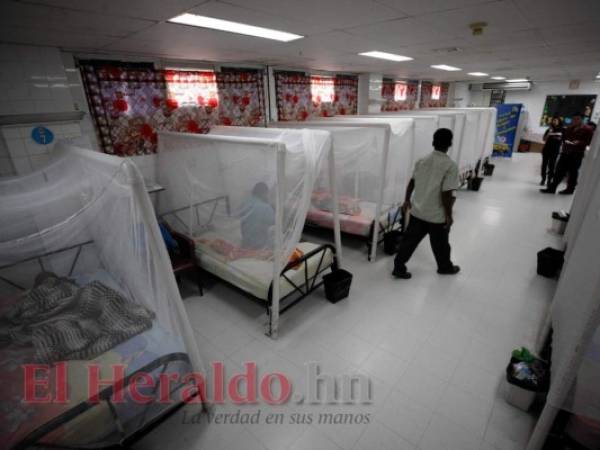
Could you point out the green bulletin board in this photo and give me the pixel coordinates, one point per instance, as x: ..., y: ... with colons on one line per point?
x: 565, y: 106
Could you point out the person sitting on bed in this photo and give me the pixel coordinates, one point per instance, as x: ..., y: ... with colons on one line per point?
x: 257, y: 218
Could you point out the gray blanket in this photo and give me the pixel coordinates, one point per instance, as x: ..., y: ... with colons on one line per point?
x: 63, y: 321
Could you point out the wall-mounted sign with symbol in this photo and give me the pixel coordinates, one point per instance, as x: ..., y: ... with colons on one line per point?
x: 42, y: 135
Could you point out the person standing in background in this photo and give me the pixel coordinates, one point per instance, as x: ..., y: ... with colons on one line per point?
x: 434, y: 182
x: 552, y: 141
x: 576, y: 138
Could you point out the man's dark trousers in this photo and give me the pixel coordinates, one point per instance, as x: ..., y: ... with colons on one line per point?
x: 568, y: 164
x: 415, y: 232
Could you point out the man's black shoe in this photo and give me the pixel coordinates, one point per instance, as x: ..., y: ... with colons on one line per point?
x: 402, y: 275
x: 566, y: 192
x: 547, y: 191
x: 452, y: 271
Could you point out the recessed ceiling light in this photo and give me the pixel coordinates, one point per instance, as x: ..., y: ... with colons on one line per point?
x: 234, y: 27
x: 388, y: 56
x: 445, y: 67
x: 598, y: 76
x: 498, y: 78
x: 517, y: 80
x: 478, y: 74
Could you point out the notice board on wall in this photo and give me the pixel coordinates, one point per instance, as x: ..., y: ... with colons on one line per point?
x: 507, y: 122
x: 565, y: 106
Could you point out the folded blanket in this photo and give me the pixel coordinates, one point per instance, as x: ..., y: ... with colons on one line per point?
x: 63, y: 322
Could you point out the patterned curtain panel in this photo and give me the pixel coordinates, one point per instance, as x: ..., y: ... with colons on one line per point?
x: 346, y: 94
x: 399, y: 95
x: 125, y: 102
x: 300, y: 97
x: 242, y: 98
x: 130, y: 103
x: 434, y: 95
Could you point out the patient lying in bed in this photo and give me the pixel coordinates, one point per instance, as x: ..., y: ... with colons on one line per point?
x: 257, y: 218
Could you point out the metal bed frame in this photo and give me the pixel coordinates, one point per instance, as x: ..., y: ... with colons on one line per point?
x: 396, y: 223
x: 301, y: 291
x: 32, y: 440
x: 35, y: 438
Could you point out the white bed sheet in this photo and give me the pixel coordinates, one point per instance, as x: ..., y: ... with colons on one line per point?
x: 254, y: 275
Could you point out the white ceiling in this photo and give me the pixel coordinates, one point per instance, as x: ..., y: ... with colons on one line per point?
x: 541, y: 39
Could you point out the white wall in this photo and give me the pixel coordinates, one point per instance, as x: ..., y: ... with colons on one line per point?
x: 37, y: 80
x: 535, y: 99
x: 460, y: 96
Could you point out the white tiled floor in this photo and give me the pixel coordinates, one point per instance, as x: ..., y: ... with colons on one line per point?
x: 434, y: 347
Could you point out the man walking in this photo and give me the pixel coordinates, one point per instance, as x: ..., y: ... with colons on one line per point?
x: 434, y: 182
x: 575, y: 140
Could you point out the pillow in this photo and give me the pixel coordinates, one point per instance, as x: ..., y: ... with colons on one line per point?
x: 170, y: 241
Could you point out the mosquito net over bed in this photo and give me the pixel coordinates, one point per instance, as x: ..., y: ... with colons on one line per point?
x: 242, y: 195
x: 486, y: 129
x: 372, y: 164
x: 464, y: 131
x: 424, y: 127
x: 86, y: 284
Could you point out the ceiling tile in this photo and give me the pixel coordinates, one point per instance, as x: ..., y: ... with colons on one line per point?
x: 502, y: 19
x: 54, y: 38
x: 40, y: 18
x: 146, y: 9
x: 250, y: 16
x: 586, y: 31
x: 549, y: 13
x: 400, y: 33
x: 333, y: 14
x: 418, y: 7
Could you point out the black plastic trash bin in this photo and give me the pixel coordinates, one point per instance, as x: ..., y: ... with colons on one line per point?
x: 549, y: 262
x: 475, y: 183
x: 390, y: 241
x: 525, y: 381
x: 488, y: 169
x: 337, y: 285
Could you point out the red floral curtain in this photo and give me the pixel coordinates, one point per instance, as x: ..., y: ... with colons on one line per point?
x: 346, y: 94
x: 399, y: 95
x: 130, y: 103
x: 300, y: 96
x: 242, y: 98
x: 434, y: 95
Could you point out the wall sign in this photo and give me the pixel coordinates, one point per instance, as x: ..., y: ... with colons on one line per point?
x: 564, y: 106
x: 42, y: 135
x: 507, y: 120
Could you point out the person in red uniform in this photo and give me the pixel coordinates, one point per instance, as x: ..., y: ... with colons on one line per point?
x: 575, y: 140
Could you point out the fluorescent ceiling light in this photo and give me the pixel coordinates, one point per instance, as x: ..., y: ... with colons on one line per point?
x: 478, y: 74
x: 445, y: 67
x: 517, y: 80
x: 234, y: 27
x: 388, y: 56
x: 498, y: 78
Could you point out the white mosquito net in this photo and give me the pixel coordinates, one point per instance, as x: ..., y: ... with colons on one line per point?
x: 575, y: 319
x: 453, y: 120
x: 425, y: 126
x: 402, y: 140
x: 370, y: 176
x: 575, y: 310
x: 486, y: 129
x: 85, y: 279
x: 241, y: 192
